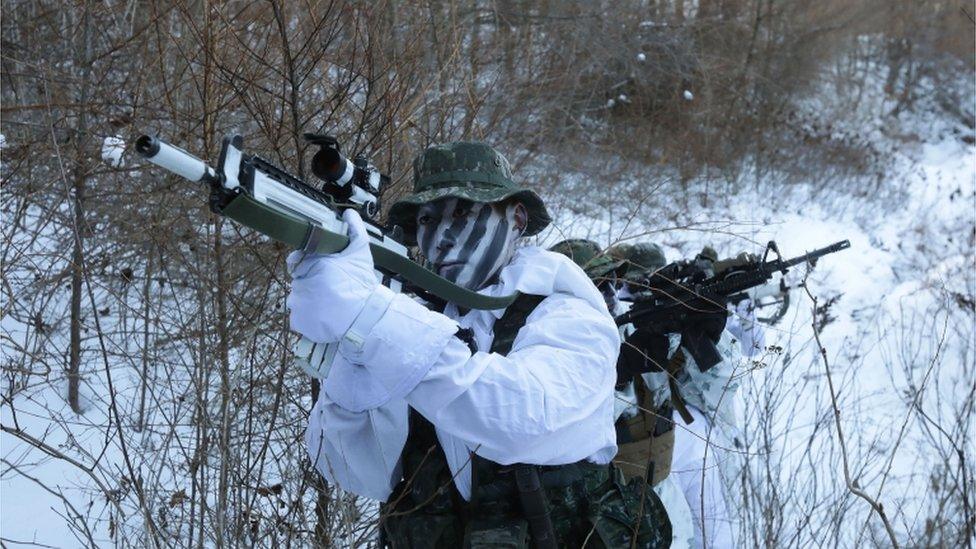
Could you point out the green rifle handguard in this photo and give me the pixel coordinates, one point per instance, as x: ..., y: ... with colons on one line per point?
x: 293, y: 231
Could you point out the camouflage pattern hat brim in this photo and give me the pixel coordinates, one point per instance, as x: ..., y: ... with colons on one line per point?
x: 604, y: 270
x: 596, y: 263
x: 404, y: 211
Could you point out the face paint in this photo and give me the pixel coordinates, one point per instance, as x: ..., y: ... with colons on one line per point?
x: 609, y: 292
x: 467, y: 242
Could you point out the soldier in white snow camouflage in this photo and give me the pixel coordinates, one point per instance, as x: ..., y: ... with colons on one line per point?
x: 474, y: 428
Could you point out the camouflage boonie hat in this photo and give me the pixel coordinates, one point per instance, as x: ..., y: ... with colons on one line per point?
x: 469, y: 170
x: 587, y: 254
x: 639, y: 259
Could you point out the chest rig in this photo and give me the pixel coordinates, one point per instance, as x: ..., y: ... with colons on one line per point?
x: 519, y: 505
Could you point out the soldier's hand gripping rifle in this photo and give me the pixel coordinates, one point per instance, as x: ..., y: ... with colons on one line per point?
x: 255, y: 193
x: 686, y: 298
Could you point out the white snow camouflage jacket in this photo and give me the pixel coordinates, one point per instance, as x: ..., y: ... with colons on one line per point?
x: 548, y: 402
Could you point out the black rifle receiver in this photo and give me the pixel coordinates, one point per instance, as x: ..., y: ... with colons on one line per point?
x: 685, y: 298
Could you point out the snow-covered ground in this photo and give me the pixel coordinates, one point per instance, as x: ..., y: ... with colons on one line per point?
x: 898, y: 334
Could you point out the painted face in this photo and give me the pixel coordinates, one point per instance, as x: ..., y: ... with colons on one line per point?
x: 467, y: 242
x: 608, y: 290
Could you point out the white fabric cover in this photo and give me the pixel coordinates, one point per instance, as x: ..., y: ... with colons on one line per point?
x: 743, y: 325
x: 673, y: 499
x: 548, y: 402
x: 701, y: 452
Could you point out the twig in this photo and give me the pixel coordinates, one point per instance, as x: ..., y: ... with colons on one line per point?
x: 967, y: 14
x: 851, y: 487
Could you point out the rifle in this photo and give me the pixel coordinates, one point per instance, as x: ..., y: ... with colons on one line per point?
x: 688, y: 298
x: 257, y: 194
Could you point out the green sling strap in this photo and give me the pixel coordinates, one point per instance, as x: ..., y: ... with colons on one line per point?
x: 293, y: 231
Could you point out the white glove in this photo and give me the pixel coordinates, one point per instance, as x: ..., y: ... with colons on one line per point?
x: 745, y: 328
x: 746, y: 313
x: 329, y: 291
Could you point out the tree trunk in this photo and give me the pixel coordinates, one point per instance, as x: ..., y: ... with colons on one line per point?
x: 705, y: 9
x: 78, y: 221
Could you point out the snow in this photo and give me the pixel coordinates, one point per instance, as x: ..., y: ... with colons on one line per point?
x: 895, y: 335
x: 112, y: 149
x: 688, y: 95
x: 641, y: 57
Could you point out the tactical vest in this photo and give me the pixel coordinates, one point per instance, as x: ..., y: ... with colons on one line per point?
x: 645, y: 442
x: 588, y: 505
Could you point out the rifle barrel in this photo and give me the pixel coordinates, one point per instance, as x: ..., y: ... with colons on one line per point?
x: 835, y: 247
x: 173, y: 159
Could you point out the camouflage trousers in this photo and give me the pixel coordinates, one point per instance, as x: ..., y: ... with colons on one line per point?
x: 596, y: 509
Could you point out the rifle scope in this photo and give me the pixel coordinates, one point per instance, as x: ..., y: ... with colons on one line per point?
x: 356, y: 181
x: 330, y: 165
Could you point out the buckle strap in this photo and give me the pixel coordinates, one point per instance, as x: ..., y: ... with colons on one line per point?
x: 532, y: 497
x: 503, y: 485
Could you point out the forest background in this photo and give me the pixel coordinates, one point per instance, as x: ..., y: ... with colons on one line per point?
x: 148, y: 395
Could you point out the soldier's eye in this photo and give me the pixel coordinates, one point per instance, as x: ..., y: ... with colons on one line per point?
x: 461, y: 211
x: 425, y: 220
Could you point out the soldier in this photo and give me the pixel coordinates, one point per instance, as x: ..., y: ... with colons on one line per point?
x: 645, y: 430
x: 703, y: 405
x: 602, y: 269
x: 474, y: 428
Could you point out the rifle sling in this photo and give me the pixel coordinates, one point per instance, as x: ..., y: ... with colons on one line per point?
x: 295, y: 232
x: 678, y: 402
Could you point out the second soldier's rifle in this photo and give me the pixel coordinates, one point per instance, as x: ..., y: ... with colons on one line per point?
x: 686, y: 298
x: 774, y: 296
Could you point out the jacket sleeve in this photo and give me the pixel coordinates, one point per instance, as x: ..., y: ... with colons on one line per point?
x: 549, y: 401
x: 358, y: 451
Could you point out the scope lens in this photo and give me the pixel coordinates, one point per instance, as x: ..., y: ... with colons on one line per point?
x: 328, y: 164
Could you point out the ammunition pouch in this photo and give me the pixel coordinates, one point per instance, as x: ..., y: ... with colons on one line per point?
x: 645, y: 442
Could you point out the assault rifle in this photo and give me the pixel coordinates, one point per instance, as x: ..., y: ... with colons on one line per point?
x: 254, y: 192
x: 687, y: 298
